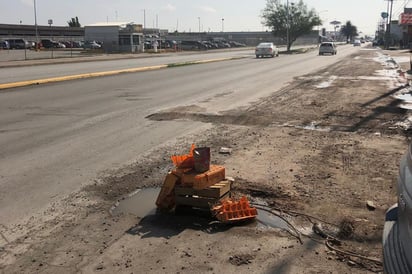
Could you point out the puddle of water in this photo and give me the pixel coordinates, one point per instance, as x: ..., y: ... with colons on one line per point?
x: 269, y: 220
x: 140, y: 203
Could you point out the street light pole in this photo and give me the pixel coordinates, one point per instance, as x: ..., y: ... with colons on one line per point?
x: 35, y: 24
x: 198, y: 18
x: 223, y: 27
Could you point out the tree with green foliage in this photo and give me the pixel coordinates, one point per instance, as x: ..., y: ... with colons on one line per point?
x: 74, y: 23
x: 289, y: 21
x: 349, y: 31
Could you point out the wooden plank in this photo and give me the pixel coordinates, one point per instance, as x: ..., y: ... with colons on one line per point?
x: 165, y: 199
x: 214, y: 191
x: 195, y: 201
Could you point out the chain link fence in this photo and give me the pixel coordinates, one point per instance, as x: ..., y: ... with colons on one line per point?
x: 66, y: 47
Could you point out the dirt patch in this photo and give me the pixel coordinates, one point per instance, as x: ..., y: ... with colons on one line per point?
x: 313, y: 152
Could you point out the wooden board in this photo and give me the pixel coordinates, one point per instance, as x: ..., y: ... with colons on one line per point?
x: 165, y: 199
x: 197, y: 201
x: 214, y: 191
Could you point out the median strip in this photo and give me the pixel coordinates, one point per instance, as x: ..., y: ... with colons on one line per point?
x: 107, y: 73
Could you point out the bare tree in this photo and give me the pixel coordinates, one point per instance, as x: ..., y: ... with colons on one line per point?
x: 289, y: 21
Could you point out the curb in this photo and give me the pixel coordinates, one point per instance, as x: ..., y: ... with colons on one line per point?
x: 109, y: 73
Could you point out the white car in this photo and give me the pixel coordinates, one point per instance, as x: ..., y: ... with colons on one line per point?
x: 266, y: 49
x: 327, y: 47
x: 356, y: 43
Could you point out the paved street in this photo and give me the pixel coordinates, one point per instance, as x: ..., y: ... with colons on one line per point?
x: 56, y: 138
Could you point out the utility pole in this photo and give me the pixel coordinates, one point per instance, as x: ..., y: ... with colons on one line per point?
x: 144, y: 19
x: 388, y: 27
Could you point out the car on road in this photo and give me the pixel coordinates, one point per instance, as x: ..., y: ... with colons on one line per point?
x: 356, y: 43
x: 327, y: 48
x: 397, y: 232
x: 266, y: 49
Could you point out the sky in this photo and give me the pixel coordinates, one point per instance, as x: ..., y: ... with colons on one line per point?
x: 190, y: 15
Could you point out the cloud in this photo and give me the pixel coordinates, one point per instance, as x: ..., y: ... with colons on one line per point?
x: 169, y: 7
x: 208, y: 9
x: 28, y: 2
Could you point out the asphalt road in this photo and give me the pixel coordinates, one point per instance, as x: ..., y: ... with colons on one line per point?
x: 14, y: 74
x: 56, y: 138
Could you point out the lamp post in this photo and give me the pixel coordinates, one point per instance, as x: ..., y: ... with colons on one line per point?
x: 223, y: 26
x: 198, y: 18
x: 335, y: 26
x: 35, y: 25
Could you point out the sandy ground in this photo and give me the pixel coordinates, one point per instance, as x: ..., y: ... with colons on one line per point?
x: 314, y: 152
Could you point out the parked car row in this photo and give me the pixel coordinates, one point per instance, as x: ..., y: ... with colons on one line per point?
x: 43, y: 43
x: 191, y: 44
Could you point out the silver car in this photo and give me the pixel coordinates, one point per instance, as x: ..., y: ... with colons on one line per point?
x: 266, y: 49
x: 327, y: 47
x: 397, y: 232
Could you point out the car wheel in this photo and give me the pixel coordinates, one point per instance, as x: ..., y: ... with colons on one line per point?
x: 257, y: 56
x: 273, y: 55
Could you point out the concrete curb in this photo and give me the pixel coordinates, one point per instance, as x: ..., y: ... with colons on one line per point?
x: 109, y: 73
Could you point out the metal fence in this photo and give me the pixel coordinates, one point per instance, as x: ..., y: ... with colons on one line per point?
x: 32, y: 53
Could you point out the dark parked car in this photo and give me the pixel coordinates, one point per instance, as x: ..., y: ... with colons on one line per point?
x: 47, y: 43
x: 235, y: 44
x: 192, y: 45
x: 397, y: 233
x: 91, y: 45
x: 4, y: 45
x: 170, y: 44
